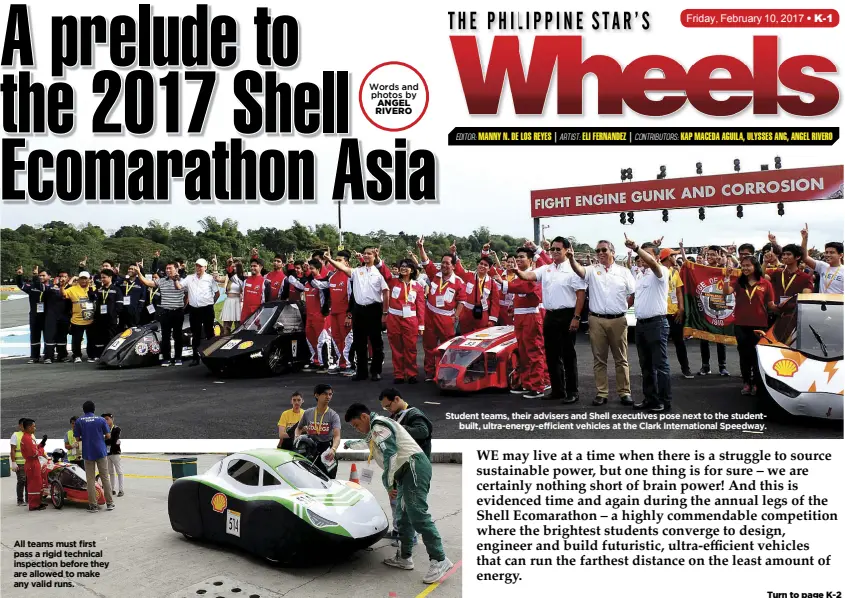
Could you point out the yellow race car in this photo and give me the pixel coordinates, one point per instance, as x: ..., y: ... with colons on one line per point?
x: 800, y: 357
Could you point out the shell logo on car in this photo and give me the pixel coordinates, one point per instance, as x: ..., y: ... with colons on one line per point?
x: 785, y: 368
x: 219, y: 502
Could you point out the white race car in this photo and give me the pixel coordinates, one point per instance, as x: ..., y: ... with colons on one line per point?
x: 800, y: 357
x: 278, y: 505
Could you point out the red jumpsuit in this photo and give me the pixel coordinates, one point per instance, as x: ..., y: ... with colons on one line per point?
x: 253, y: 294
x: 29, y: 449
x: 405, y: 319
x: 543, y: 259
x: 484, y: 292
x: 506, y: 303
x: 277, y: 282
x: 315, y: 321
x: 443, y: 297
x: 528, y: 326
x: 341, y: 332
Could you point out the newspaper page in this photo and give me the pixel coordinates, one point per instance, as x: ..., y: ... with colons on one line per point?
x: 359, y: 300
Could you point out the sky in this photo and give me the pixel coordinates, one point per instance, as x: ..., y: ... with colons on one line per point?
x: 477, y: 186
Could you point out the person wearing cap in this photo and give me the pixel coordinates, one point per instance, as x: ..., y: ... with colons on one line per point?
x: 652, y: 329
x: 202, y: 292
x: 83, y: 300
x: 675, y: 310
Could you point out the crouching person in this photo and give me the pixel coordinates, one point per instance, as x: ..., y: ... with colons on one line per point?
x: 407, y: 477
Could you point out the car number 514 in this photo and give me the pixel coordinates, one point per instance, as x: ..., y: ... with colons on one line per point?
x: 233, y: 523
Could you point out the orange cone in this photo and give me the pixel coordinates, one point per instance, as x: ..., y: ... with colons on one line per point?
x: 353, y: 474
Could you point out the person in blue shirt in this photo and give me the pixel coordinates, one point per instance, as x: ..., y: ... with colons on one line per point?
x: 93, y: 431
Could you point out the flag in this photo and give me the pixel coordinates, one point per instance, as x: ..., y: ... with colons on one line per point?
x: 708, y: 313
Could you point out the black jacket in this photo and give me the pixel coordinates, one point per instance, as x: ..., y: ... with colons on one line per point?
x: 113, y: 442
x: 113, y: 298
x: 417, y: 424
x: 35, y: 292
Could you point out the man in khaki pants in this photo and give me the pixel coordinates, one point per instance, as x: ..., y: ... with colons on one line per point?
x: 610, y: 288
x: 93, y: 431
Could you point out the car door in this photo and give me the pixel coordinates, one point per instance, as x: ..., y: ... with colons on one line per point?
x: 227, y: 516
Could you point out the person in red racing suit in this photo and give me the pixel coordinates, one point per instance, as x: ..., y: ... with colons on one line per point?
x: 315, y: 310
x: 528, y: 327
x: 481, y: 308
x: 405, y: 319
x: 256, y: 289
x: 340, y: 316
x: 445, y: 294
x: 505, y: 299
x: 29, y: 450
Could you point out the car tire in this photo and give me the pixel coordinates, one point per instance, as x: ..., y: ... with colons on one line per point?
x: 275, y: 361
x: 189, y: 537
x: 57, y: 495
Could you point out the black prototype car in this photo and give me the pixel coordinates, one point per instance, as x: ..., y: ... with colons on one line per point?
x: 141, y: 346
x: 271, y: 341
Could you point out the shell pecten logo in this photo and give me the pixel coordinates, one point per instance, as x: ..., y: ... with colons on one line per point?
x: 785, y: 367
x: 219, y: 502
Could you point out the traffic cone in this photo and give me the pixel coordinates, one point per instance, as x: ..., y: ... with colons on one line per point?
x: 353, y: 474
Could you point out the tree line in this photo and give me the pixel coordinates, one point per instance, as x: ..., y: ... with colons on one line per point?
x: 59, y: 245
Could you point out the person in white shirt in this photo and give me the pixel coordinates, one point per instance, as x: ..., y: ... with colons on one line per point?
x: 652, y: 329
x: 370, y: 292
x: 563, y: 298
x: 202, y: 292
x: 830, y: 271
x: 611, y: 287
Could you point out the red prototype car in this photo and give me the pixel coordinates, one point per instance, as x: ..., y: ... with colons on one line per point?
x: 486, y: 358
x: 65, y: 482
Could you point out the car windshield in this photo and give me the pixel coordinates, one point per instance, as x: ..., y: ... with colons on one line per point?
x: 820, y: 329
x: 461, y: 357
x: 303, y: 475
x: 259, y: 320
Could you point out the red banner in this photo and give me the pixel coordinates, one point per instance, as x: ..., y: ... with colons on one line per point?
x: 768, y: 186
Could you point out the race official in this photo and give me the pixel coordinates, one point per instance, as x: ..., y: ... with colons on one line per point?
x: 611, y: 287
x: 93, y: 431
x: 563, y: 299
x: 370, y: 312
x: 652, y: 332
x: 202, y: 293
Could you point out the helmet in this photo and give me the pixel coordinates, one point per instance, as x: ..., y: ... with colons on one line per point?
x: 58, y: 455
x: 305, y: 446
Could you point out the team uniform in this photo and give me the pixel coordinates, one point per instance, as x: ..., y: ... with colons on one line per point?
x: 109, y: 306
x: 315, y: 319
x: 256, y: 290
x: 528, y: 326
x: 56, y: 323
x: 37, y: 313
x: 443, y: 298
x: 341, y: 334
x: 133, y: 302
x: 479, y: 293
x: 29, y: 448
x: 405, y: 320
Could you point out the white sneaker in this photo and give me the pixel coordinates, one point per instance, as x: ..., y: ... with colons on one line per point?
x: 77, y: 360
x: 436, y: 570
x: 400, y: 563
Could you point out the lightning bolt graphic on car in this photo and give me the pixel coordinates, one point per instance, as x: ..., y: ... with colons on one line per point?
x: 830, y: 368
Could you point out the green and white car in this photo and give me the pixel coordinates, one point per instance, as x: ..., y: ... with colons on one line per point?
x: 277, y: 505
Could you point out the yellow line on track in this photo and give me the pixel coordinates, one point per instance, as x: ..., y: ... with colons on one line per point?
x: 433, y: 586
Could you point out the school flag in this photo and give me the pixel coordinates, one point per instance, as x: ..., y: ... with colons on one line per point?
x: 708, y: 312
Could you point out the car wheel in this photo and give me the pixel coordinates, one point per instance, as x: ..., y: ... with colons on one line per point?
x: 57, y: 495
x: 275, y: 362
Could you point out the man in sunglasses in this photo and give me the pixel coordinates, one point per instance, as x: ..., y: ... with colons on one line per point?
x: 563, y: 298
x: 611, y: 289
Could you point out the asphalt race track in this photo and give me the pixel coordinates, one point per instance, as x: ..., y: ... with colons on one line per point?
x: 188, y: 402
